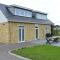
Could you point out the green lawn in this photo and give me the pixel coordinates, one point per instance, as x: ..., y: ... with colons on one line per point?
x: 41, y: 52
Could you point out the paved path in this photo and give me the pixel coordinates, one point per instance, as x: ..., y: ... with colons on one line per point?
x: 4, y: 55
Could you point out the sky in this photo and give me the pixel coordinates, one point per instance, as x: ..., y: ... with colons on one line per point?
x: 51, y: 7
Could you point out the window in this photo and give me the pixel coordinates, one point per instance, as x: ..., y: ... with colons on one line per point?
x: 47, y: 29
x: 41, y: 16
x: 37, y: 31
x: 21, y: 33
x: 33, y: 15
x: 21, y: 12
x: 28, y: 14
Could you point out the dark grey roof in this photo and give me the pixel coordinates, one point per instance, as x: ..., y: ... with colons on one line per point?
x: 30, y: 20
x: 15, y: 18
x: 25, y: 8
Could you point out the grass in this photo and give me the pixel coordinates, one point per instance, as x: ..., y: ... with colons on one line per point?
x: 41, y: 52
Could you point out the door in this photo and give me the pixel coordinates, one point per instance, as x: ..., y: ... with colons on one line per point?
x: 21, y: 33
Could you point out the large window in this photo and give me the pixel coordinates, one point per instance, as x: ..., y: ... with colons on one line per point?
x: 21, y: 12
x: 41, y: 16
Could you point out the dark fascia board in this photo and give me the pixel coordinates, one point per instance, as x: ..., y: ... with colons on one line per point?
x: 24, y: 8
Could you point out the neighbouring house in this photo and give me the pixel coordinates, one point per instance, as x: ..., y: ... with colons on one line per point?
x: 20, y: 24
x: 56, y: 30
x: 56, y: 27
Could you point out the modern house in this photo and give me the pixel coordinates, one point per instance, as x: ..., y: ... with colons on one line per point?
x: 20, y: 24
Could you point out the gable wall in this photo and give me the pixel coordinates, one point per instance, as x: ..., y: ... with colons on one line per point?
x: 2, y: 17
x: 4, y: 33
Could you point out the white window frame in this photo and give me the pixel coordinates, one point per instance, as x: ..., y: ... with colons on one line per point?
x: 21, y: 35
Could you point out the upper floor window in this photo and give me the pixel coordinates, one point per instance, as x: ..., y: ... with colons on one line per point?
x: 21, y: 12
x: 41, y: 16
x: 33, y: 15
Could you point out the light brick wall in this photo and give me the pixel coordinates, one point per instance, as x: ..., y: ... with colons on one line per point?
x: 9, y: 32
x: 42, y: 31
x: 28, y: 35
x: 29, y: 31
x: 4, y: 33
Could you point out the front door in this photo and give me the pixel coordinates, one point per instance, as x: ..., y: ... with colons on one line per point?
x: 21, y: 33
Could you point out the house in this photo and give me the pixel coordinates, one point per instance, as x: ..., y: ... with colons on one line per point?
x: 56, y: 30
x: 56, y: 27
x: 20, y: 24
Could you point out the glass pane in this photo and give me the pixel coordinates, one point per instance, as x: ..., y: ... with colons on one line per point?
x: 36, y: 33
x: 28, y: 14
x: 21, y: 12
x: 41, y: 16
x: 20, y: 34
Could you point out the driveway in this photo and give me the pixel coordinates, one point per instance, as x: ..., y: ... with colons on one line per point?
x: 4, y: 48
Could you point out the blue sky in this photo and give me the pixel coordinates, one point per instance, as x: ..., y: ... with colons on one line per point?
x: 52, y: 7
